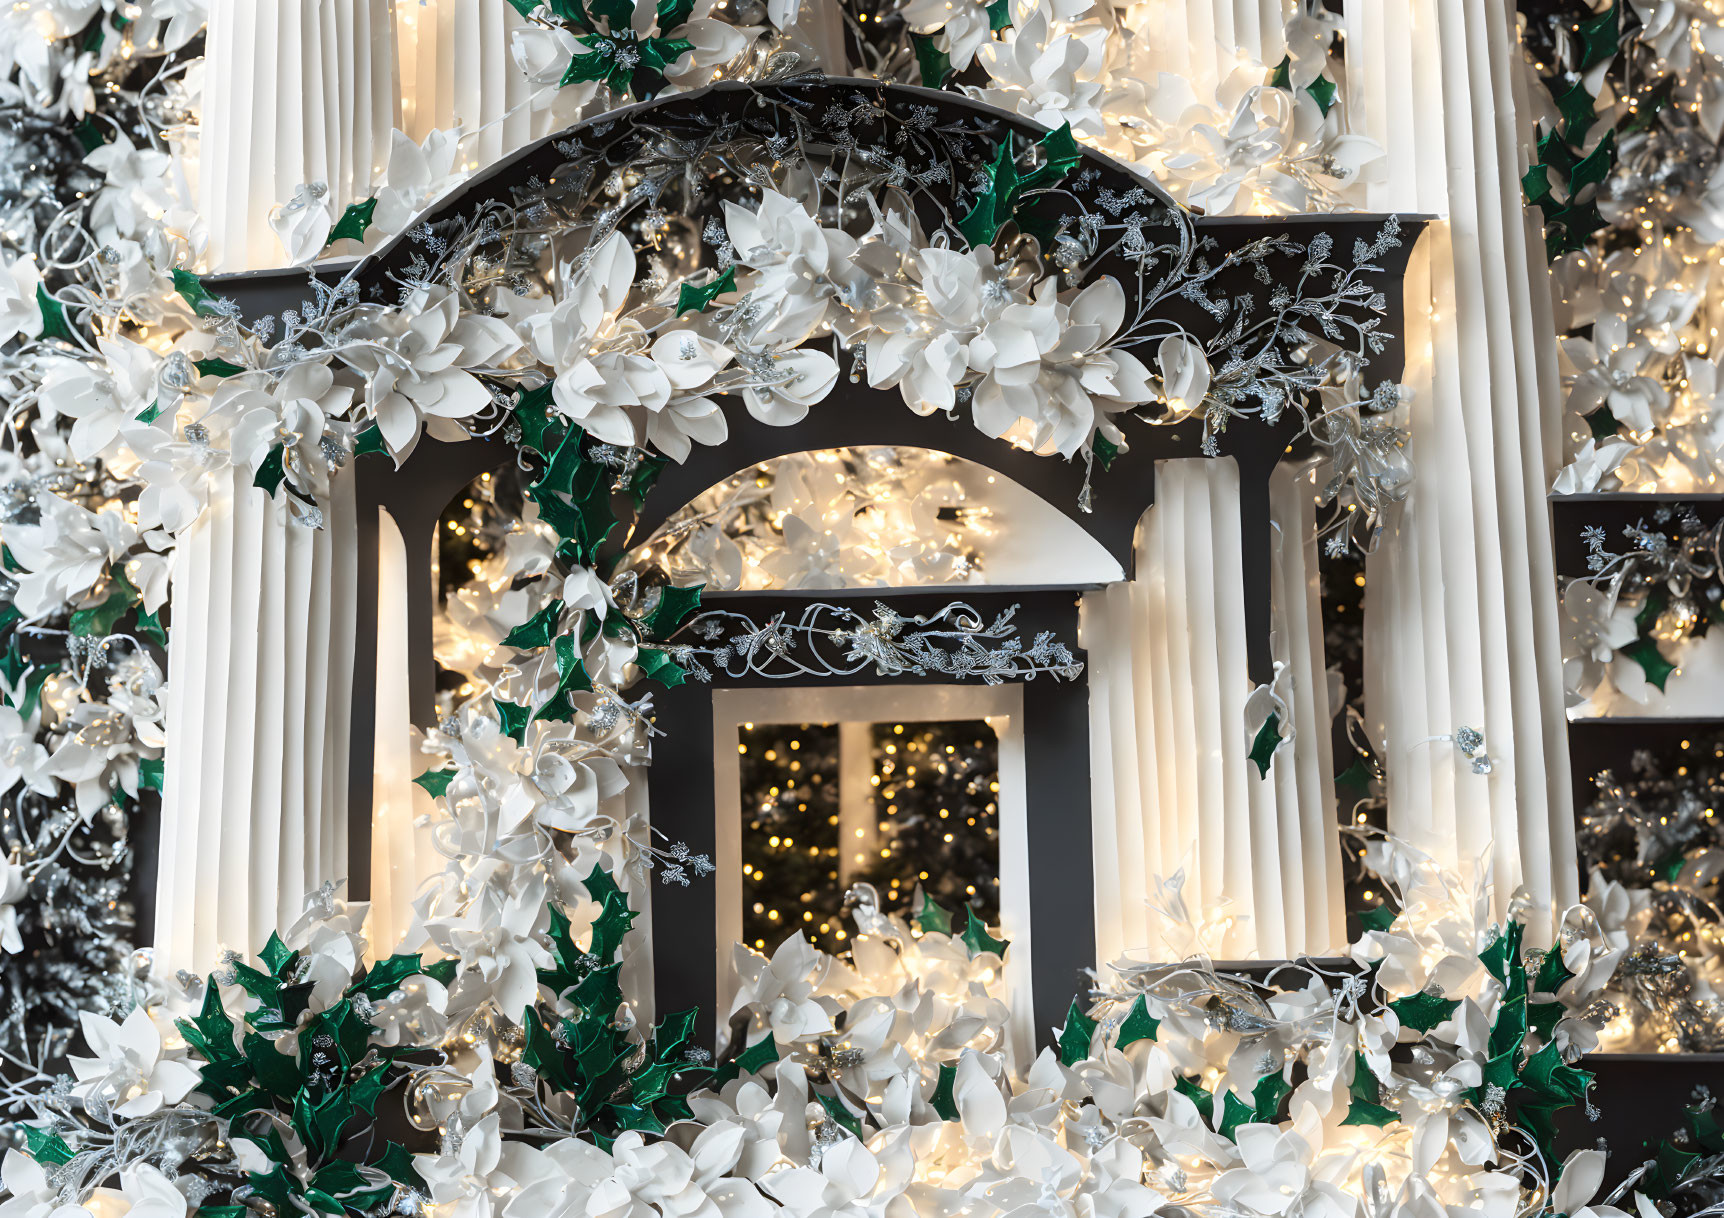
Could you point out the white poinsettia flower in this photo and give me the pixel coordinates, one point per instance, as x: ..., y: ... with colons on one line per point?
x: 180, y: 21
x: 290, y: 412
x: 30, y: 1193
x: 97, y: 755
x: 1591, y: 465
x: 604, y: 381
x: 130, y: 1068
x: 103, y: 398
x: 799, y: 267
x: 65, y: 555
x: 1049, y: 377
x: 416, y: 176
x: 23, y: 759
x: 1595, y: 626
x: 964, y: 25
x: 1185, y: 375
x: 1046, y: 76
x: 783, y: 989
x: 1276, y: 1170
x: 415, y: 361
x: 303, y: 222
x: 14, y: 886
x: 20, y: 310
x: 781, y: 386
x: 134, y: 193
x: 926, y: 352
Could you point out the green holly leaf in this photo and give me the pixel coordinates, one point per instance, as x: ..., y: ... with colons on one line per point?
x: 673, y: 13
x: 54, y: 323
x: 275, y: 955
x: 1644, y: 652
x: 978, y: 939
x: 353, y: 223
x: 672, y: 608
x: 150, y: 414
x: 1189, y: 1088
x: 216, y: 367
x: 1578, y: 109
x: 690, y: 299
x: 1364, y: 1085
x: 538, y: 630
x: 999, y: 15
x: 370, y: 441
x: 98, y: 621
x: 1552, y: 972
x: 1535, y: 184
x: 46, y: 1145
x: 514, y: 718
x: 150, y: 774
x: 150, y: 626
x: 397, y: 1164
x: 994, y: 205
x: 1138, y: 1024
x: 933, y: 63
x: 1361, y: 1112
x: 435, y: 783
x: 1595, y: 166
x: 1502, y: 958
x: 941, y: 1101
x: 196, y: 295
x: 1379, y: 917
x: 932, y: 919
x: 1424, y: 1011
x: 534, y: 414
x: 1264, y: 744
x: 838, y: 1111
x: 611, y: 927
x: 1105, y: 451
x: 1603, y: 424
x: 600, y: 885
x: 90, y: 136
x: 271, y: 472
x: 278, y: 1072
x: 210, y: 1031
x: 1234, y: 1113
x: 571, y: 672
x: 1549, y: 1076
x: 1076, y: 1036
x: 752, y: 1060
x: 1598, y: 37
x: 1322, y: 91
x: 656, y: 665
x: 1267, y: 1095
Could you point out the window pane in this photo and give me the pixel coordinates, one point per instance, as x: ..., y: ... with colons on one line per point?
x: 896, y: 805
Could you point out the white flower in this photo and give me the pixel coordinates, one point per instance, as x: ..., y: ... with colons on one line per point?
x: 291, y: 412
x: 22, y: 757
x: 1184, y: 368
x: 13, y: 887
x: 135, y: 193
x: 783, y: 988
x: 1275, y: 1172
x: 303, y: 222
x: 20, y: 311
x: 129, y: 1070
x: 65, y: 554
x: 607, y: 379
x: 799, y: 266
x: 1044, y: 76
x: 184, y: 20
x: 964, y: 23
x: 1594, y: 627
x: 415, y: 362
x: 103, y: 397
x: 416, y: 177
x: 33, y: 1195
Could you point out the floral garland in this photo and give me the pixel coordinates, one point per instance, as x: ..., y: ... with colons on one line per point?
x: 852, y: 1086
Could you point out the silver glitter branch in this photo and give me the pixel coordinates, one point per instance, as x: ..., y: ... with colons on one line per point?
x: 834, y: 641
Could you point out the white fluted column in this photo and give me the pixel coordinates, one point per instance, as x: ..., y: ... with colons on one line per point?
x: 261, y: 652
x: 295, y: 92
x: 457, y: 69
x: 1461, y: 610
x: 1205, y: 40
x: 1173, y: 787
